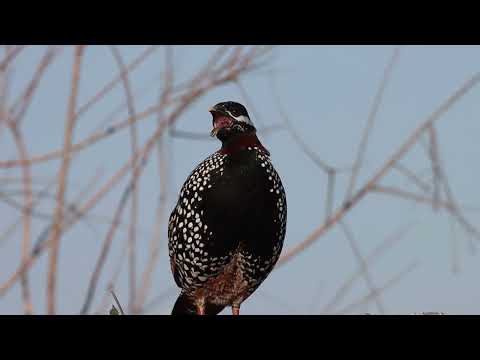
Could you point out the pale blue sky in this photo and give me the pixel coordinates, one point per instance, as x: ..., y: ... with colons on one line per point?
x: 327, y: 92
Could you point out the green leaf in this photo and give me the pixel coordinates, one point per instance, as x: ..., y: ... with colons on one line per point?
x: 114, y: 311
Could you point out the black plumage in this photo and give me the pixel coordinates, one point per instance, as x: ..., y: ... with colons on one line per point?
x: 228, y: 227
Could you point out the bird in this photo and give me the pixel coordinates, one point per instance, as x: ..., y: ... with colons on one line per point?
x: 227, y: 230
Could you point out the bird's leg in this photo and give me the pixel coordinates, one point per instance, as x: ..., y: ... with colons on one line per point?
x: 235, y: 310
x: 200, y: 304
x: 200, y: 310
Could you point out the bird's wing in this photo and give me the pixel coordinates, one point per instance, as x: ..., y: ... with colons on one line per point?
x: 171, y: 246
x: 202, y: 239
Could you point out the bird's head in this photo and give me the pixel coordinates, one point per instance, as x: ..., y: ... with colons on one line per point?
x: 230, y: 119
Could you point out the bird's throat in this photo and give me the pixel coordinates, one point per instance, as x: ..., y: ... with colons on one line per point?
x: 241, y: 142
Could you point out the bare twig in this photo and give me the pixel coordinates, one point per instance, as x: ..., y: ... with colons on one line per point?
x: 146, y: 152
x: 371, y: 121
x: 11, y: 55
x: 113, y: 280
x: 163, y: 165
x: 62, y: 183
x: 374, y: 180
x: 407, y: 195
x: 363, y: 265
x: 330, y: 194
x: 21, y: 105
x: 134, y: 201
x: 27, y: 216
x: 107, y: 88
x: 390, y: 283
x: 455, y: 209
x: 179, y: 101
x: 435, y: 166
x: 375, y: 255
x: 105, y: 250
x: 249, y: 102
x: 298, y: 139
x: 410, y: 175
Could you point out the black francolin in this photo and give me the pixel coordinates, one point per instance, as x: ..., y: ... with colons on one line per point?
x: 228, y: 227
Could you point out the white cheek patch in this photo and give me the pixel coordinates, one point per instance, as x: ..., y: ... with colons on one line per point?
x: 241, y: 118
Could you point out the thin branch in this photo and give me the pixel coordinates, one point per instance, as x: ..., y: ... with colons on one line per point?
x: 390, y: 283
x: 374, y: 180
x: 455, y: 209
x: 113, y: 280
x: 330, y: 194
x: 407, y: 195
x: 375, y: 255
x: 163, y: 165
x: 410, y: 175
x: 298, y: 139
x: 35, y: 202
x: 186, y: 101
x: 180, y: 100
x: 139, y: 95
x: 363, y: 265
x: 134, y: 201
x: 371, y: 122
x: 249, y: 102
x: 21, y: 105
x: 146, y: 152
x: 27, y: 216
x: 10, y: 56
x: 111, y: 85
x: 104, y: 251
x: 62, y: 184
x: 435, y: 166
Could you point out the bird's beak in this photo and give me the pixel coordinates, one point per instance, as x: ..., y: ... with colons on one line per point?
x: 214, y: 132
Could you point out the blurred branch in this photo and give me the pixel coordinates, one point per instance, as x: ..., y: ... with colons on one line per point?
x: 410, y: 196
x: 163, y: 169
x: 10, y: 55
x: 363, y: 265
x: 187, y: 100
x: 299, y: 140
x: 105, y: 250
x: 435, y: 166
x: 27, y: 216
x: 393, y: 281
x: 21, y: 105
x: 375, y: 255
x: 412, y: 177
x: 62, y: 183
x: 388, y: 165
x: 111, y: 85
x: 371, y: 122
x: 134, y: 201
